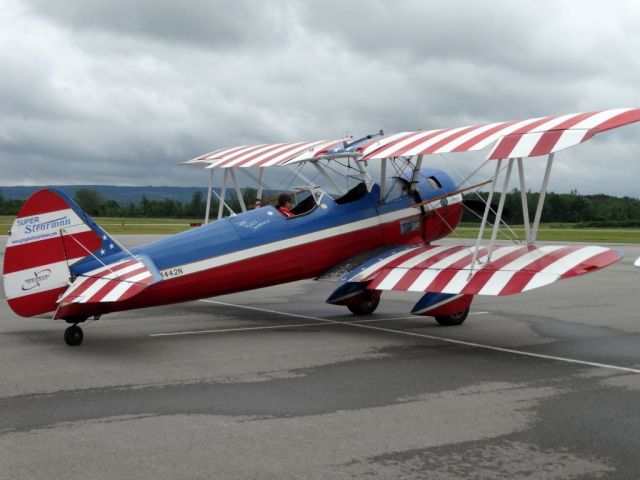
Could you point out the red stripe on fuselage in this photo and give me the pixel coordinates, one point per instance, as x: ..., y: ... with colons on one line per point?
x: 282, y: 266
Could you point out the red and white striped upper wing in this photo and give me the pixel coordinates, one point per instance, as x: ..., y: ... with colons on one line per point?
x: 512, y: 269
x: 513, y: 139
x: 267, y: 155
x: 111, y: 283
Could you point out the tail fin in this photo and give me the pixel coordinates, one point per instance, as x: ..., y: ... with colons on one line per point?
x: 50, y: 234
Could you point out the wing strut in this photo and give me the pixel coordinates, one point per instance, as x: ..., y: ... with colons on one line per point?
x: 543, y: 193
x: 206, y: 213
x: 326, y: 176
x: 366, y: 178
x: 531, y: 232
x: 416, y: 172
x: 484, y: 217
x: 260, y: 188
x: 221, y: 197
x: 503, y: 197
x: 223, y: 192
x: 525, y: 203
x: 237, y: 189
x: 383, y: 178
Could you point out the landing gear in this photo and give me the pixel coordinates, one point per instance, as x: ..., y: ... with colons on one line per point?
x: 369, y: 303
x: 73, y: 336
x: 455, y: 319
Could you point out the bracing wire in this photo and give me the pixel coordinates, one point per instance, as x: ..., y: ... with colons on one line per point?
x: 515, y: 237
x: 256, y: 179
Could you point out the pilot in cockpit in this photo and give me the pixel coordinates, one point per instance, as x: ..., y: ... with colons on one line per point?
x: 284, y: 205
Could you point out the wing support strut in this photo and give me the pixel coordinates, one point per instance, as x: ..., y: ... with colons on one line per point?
x: 260, y: 188
x: 416, y: 172
x: 223, y: 192
x: 503, y: 196
x: 222, y: 195
x: 531, y: 232
x: 383, y: 178
x: 326, y: 176
x: 208, y: 209
x: 366, y: 178
x: 543, y: 193
x: 243, y: 207
x: 525, y: 203
x: 474, y: 259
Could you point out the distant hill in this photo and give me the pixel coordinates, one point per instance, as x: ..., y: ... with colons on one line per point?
x: 122, y: 195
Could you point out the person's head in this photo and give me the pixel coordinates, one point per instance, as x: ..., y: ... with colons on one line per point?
x: 284, y: 200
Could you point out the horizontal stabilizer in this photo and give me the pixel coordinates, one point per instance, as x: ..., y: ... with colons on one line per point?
x: 115, y: 282
x: 508, y: 270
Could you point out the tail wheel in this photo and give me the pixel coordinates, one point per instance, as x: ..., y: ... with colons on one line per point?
x: 368, y: 305
x: 455, y: 319
x: 73, y: 336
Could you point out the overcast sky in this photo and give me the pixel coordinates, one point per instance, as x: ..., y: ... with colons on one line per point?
x: 104, y: 92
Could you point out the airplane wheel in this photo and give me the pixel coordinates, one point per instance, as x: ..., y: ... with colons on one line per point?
x: 73, y: 336
x: 366, y: 307
x: 455, y: 319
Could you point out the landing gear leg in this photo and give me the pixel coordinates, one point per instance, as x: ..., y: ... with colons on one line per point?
x: 73, y: 336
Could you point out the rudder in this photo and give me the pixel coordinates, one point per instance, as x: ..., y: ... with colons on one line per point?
x: 50, y: 234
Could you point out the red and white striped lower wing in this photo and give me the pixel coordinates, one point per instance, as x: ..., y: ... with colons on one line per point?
x: 112, y: 283
x: 512, y: 269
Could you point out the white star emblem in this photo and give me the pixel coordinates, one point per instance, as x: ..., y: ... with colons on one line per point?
x: 104, y: 237
x: 110, y: 246
x: 102, y: 252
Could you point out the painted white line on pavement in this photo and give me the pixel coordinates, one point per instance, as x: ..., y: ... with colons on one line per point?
x: 360, y: 324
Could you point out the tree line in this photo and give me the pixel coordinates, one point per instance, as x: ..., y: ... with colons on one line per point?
x: 588, y: 210
x: 92, y: 202
x: 585, y: 210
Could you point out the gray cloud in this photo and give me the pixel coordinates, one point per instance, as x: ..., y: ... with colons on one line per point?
x: 209, y: 25
x: 94, y: 92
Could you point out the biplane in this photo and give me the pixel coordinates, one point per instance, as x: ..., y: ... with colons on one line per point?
x: 368, y: 237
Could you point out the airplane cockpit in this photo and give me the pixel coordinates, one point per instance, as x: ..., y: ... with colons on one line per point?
x: 307, y: 198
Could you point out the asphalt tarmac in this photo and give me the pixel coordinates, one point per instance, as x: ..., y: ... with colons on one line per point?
x: 276, y: 384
